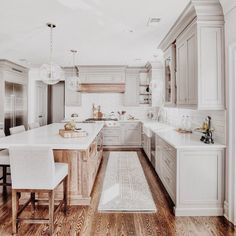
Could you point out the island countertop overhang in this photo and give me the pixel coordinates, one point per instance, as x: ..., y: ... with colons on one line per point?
x: 49, y: 136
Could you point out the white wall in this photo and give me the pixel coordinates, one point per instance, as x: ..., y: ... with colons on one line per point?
x: 33, y: 77
x: 229, y: 7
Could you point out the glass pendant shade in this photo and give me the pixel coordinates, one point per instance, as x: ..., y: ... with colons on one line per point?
x: 73, y: 82
x: 50, y: 73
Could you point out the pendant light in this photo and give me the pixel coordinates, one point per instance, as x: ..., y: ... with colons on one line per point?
x: 73, y: 82
x: 50, y: 73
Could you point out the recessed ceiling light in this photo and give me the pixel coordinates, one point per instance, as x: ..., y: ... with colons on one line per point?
x: 152, y: 21
x: 137, y: 59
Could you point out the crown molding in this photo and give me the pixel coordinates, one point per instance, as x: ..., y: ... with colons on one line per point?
x: 228, y: 5
x: 199, y: 10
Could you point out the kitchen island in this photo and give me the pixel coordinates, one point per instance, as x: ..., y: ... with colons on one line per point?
x: 83, y: 155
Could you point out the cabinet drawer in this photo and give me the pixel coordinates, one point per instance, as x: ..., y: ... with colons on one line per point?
x: 129, y: 125
x: 169, y: 182
x: 169, y: 161
x: 114, y: 131
x: 111, y: 140
x: 161, y: 144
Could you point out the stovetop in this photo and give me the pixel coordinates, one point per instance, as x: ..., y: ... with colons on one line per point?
x: 100, y: 119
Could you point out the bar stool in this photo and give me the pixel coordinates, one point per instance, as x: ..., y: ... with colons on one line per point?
x: 33, y: 125
x: 4, y: 163
x: 17, y: 129
x: 33, y: 170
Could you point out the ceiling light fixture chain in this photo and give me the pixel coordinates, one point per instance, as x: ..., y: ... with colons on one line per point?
x: 51, y: 43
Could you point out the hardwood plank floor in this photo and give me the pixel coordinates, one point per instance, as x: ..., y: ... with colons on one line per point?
x: 88, y: 222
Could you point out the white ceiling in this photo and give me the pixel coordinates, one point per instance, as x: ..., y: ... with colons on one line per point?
x: 98, y: 29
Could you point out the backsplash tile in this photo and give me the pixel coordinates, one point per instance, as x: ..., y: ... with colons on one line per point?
x: 174, y: 118
x: 109, y: 102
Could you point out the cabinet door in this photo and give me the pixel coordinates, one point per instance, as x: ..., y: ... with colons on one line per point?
x: 211, y: 67
x: 131, y: 96
x: 158, y: 156
x: 72, y: 98
x: 191, y: 68
x: 131, y: 134
x: 170, y: 83
x: 111, y: 136
x: 182, y: 85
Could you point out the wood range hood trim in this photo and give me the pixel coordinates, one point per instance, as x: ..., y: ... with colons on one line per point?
x: 102, y: 88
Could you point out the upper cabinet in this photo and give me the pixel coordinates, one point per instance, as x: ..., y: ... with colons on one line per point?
x: 186, y: 57
x: 131, y: 96
x: 199, y: 39
x: 170, y: 80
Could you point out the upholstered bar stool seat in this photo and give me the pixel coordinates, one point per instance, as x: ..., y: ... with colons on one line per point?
x: 4, y: 157
x: 33, y: 125
x: 17, y: 129
x: 4, y: 163
x: 33, y: 170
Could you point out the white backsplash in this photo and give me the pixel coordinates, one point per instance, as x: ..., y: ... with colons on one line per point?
x: 174, y: 118
x: 109, y: 102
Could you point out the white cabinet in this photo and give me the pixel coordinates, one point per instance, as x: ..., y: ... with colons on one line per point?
x: 199, y: 38
x: 193, y: 178
x: 131, y: 133
x: 200, y: 77
x: 131, y: 96
x: 186, y: 46
x: 146, y: 145
x: 112, y: 136
x: 170, y: 78
x: 125, y: 134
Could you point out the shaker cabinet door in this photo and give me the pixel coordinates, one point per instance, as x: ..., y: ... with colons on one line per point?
x: 182, y: 86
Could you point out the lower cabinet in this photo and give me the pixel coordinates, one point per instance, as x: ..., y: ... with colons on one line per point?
x: 146, y: 144
x: 193, y: 178
x: 126, y: 134
x: 112, y: 136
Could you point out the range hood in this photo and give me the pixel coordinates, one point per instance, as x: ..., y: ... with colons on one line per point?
x: 102, y: 88
x: 100, y: 79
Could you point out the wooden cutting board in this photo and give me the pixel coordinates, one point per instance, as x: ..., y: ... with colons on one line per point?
x: 72, y: 134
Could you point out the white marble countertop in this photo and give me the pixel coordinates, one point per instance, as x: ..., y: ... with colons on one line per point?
x: 184, y: 141
x: 49, y: 136
x: 178, y: 140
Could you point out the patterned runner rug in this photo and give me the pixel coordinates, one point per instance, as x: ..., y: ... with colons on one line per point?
x: 125, y: 187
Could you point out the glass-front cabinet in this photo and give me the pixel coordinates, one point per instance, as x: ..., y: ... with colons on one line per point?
x: 170, y: 81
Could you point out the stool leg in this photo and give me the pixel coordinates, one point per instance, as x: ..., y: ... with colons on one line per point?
x: 32, y: 197
x: 14, y: 211
x: 51, y: 212
x: 4, y: 172
x: 65, y: 195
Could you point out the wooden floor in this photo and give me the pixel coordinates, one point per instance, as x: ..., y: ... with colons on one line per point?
x: 87, y: 221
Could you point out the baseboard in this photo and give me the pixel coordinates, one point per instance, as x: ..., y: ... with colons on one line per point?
x: 226, y: 210
x: 198, y: 211
x: 122, y: 148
